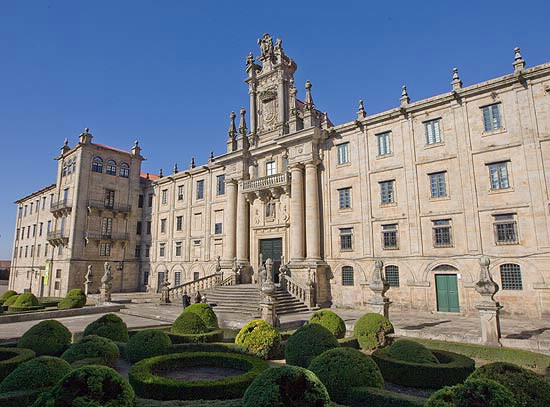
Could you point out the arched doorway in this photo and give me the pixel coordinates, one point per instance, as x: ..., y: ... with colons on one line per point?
x: 446, y: 287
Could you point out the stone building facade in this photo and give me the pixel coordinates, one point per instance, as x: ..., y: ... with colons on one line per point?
x: 427, y: 187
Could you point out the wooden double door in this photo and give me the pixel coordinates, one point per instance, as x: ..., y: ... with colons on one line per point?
x: 446, y: 286
x: 272, y: 249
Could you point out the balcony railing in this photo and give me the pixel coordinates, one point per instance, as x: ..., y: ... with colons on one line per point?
x: 60, y: 205
x: 270, y: 181
x: 57, y: 237
x: 115, y: 207
x: 106, y: 236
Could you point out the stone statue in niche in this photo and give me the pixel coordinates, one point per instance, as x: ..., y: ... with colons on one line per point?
x: 270, y: 209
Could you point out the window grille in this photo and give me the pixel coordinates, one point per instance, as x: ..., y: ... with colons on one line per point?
x: 347, y: 276
x: 510, y: 275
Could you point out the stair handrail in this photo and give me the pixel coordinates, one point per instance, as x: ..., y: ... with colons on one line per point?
x: 203, y: 283
x: 303, y: 292
x: 227, y: 281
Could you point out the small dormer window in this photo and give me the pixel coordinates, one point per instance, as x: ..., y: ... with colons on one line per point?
x: 97, y: 164
x: 111, y: 167
x: 124, y: 170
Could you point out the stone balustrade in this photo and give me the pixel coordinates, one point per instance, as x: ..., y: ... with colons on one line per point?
x: 270, y: 181
x: 298, y: 290
x: 201, y: 284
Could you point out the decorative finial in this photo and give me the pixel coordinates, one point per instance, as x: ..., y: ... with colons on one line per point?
x: 242, y: 123
x: 160, y: 173
x: 66, y: 143
x: 175, y: 168
x: 136, y: 143
x: 211, y: 156
x: 86, y: 130
x: 361, y: 114
x: 309, y: 105
x: 405, y: 100
x: 192, y: 165
x: 457, y: 83
x: 232, y: 132
x: 249, y: 59
x: 519, y: 63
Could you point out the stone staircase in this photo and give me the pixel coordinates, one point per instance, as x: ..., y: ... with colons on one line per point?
x: 245, y: 298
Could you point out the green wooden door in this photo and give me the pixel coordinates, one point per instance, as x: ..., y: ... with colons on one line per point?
x: 272, y: 249
x: 447, y: 293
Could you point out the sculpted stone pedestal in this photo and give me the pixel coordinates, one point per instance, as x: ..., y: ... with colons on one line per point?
x: 489, y: 309
x: 268, y: 305
x: 106, y: 285
x: 379, y: 303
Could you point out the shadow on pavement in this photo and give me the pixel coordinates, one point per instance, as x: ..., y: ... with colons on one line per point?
x: 424, y: 325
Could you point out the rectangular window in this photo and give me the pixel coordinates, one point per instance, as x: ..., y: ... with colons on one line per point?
x: 344, y: 198
x: 51, y: 200
x: 140, y: 201
x: 37, y: 204
x: 28, y: 231
x: 25, y: 211
x: 45, y: 249
x: 138, y: 228
x: 177, y: 278
x: 106, y: 228
x: 163, y: 226
x: 180, y: 192
x: 491, y: 117
x: 387, y: 195
x: 498, y: 174
x: 389, y: 236
x: 438, y: 188
x: 220, y: 185
x: 57, y: 285
x: 178, y: 249
x: 150, y: 200
x: 217, y: 228
x: 137, y: 252
x: 49, y: 227
x: 60, y: 250
x: 147, y: 250
x: 17, y: 234
x: 105, y: 249
x: 383, y: 140
x: 433, y: 134
x: 33, y: 230
x: 148, y: 227
x: 32, y: 250
x: 200, y: 189
x: 347, y: 276
x: 30, y: 208
x: 510, y: 275
x: 442, y: 236
x: 392, y: 276
x: 270, y: 168
x: 162, y: 247
x: 346, y: 238
x: 38, y: 250
x: 109, y: 199
x: 505, y: 229
x: 179, y: 223
x: 20, y: 251
x: 40, y: 229
x: 164, y: 196
x: 343, y: 153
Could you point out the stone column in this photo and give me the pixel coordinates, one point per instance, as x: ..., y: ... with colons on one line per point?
x: 297, y: 213
x: 242, y: 228
x: 230, y: 220
x: 313, y: 222
x: 489, y: 309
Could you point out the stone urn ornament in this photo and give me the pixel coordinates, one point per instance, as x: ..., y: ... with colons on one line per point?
x: 379, y: 303
x: 268, y: 304
x: 489, y: 308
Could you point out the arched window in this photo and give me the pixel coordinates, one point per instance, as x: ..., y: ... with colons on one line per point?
x: 97, y: 164
x: 124, y: 170
x: 64, y: 172
x: 111, y: 167
x: 70, y: 166
x: 510, y: 275
x: 392, y: 276
x: 347, y: 276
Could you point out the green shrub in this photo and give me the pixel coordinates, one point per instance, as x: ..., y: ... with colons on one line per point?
x: 92, y: 346
x: 308, y: 342
x: 213, y: 336
x: 24, y: 302
x: 20, y: 398
x: 411, y: 351
x: 10, y: 358
x: 286, y: 386
x: 146, y: 344
x: 473, y: 393
x: 528, y: 388
x: 375, y: 397
x: 75, y: 299
x: 205, y: 312
x: 10, y: 300
x: 351, y: 342
x: 331, y: 321
x: 340, y: 369
x: 189, y: 323
x: 49, y: 301
x: 147, y: 384
x: 109, y: 326
x: 371, y: 330
x: 89, y: 386
x: 259, y: 338
x: 188, y: 403
x: 48, y: 337
x: 451, y: 369
x: 40, y: 372
x: 6, y: 295
x: 207, y: 347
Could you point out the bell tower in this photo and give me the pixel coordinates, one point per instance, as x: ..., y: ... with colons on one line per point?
x: 270, y: 85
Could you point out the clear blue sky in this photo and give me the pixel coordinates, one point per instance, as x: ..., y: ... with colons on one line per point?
x: 169, y: 72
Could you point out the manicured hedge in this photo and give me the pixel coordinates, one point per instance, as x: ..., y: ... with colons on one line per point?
x: 91, y: 347
x: 25, y: 302
x: 10, y: 358
x: 43, y: 371
x: 260, y: 339
x: 188, y: 403
x: 410, y: 351
x: 350, y: 342
x: 75, y: 298
x: 286, y: 386
x: 21, y: 398
x: 331, y: 321
x: 375, y: 397
x: 207, y: 347
x: 340, y: 369
x: 6, y: 295
x: 146, y: 344
x: 212, y: 336
x: 474, y: 392
x: 89, y: 386
x: 189, y: 323
x: 10, y: 300
x: 49, y: 301
x: 372, y: 330
x: 451, y: 369
x: 204, y: 312
x: 148, y: 385
x: 308, y: 342
x: 48, y: 337
x: 109, y: 326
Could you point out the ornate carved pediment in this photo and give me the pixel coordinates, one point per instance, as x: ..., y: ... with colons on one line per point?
x: 268, y: 95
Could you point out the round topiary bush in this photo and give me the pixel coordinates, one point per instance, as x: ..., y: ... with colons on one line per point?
x: 75, y: 299
x: 340, y: 369
x: 286, y: 386
x: 146, y: 344
x: 308, y: 342
x: 10, y: 358
x: 331, y: 321
x: 108, y: 326
x: 528, y: 388
x: 48, y: 337
x: 40, y: 372
x: 24, y: 302
x: 6, y: 295
x: 259, y: 338
x: 10, y: 300
x: 205, y: 312
x: 411, y: 351
x: 473, y: 393
x: 189, y: 323
x: 92, y: 346
x: 89, y: 386
x: 371, y: 330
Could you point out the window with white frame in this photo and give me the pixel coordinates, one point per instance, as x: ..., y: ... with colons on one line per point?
x: 179, y: 223
x: 510, y: 275
x: 346, y: 238
x: 383, y: 140
x: 387, y: 194
x: 389, y: 236
x: 442, y: 235
x: 97, y: 164
x: 344, y: 198
x: 505, y: 227
x: 164, y: 196
x: 498, y: 175
x: 109, y: 199
x: 106, y: 228
x: 177, y: 278
x: 220, y: 185
x: 200, y: 189
x: 180, y: 192
x: 111, y: 167
x: 438, y: 187
x: 218, y: 228
x: 162, y: 248
x: 178, y: 249
x: 124, y: 170
x: 270, y: 168
x: 491, y: 117
x: 433, y: 132
x: 348, y: 276
x: 105, y: 249
x: 343, y: 153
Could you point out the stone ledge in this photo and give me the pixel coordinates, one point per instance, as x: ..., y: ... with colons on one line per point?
x: 34, y: 316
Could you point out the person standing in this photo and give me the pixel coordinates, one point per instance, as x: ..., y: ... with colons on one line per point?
x: 198, y: 297
x: 186, y: 300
